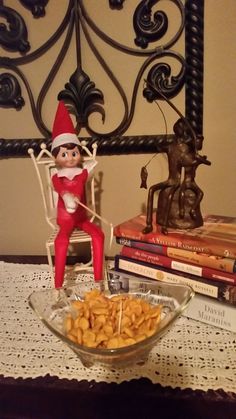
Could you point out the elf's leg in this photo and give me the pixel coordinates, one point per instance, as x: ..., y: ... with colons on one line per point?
x: 97, y: 236
x: 61, y: 246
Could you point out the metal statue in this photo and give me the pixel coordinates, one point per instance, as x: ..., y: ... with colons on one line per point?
x: 179, y: 197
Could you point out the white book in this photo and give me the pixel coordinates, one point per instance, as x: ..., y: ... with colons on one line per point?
x: 205, y: 308
x: 161, y: 274
x: 213, y: 312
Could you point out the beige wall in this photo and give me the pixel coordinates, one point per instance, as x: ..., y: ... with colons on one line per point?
x: 23, y: 229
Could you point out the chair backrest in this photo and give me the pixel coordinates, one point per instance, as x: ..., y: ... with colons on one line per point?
x: 45, y: 167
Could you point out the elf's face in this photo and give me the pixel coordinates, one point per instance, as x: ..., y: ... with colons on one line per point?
x: 68, y: 158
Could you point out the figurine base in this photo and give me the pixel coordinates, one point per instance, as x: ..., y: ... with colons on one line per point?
x: 190, y: 218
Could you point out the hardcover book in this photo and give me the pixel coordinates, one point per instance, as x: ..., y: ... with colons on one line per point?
x: 219, y: 263
x: 170, y: 263
x: 217, y: 236
x: 212, y: 312
x: 215, y: 289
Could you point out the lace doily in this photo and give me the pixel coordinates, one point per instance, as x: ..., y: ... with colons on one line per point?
x: 192, y: 355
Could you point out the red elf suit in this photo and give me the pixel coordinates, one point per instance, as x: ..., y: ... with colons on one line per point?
x: 69, y: 183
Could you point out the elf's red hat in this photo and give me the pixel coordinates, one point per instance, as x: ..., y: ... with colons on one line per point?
x: 63, y: 131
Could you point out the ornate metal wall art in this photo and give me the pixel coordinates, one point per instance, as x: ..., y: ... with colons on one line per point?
x: 84, y: 95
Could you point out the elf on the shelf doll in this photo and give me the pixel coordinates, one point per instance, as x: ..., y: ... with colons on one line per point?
x: 69, y: 183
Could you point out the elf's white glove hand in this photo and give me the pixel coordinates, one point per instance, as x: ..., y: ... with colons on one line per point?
x: 69, y: 202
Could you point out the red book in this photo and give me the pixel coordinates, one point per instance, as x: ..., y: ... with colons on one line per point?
x: 170, y: 263
x: 219, y: 263
x: 216, y: 237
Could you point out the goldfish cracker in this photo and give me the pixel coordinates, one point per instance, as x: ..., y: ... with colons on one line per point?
x: 111, y: 323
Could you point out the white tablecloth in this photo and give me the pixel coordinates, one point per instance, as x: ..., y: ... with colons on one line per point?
x: 192, y: 355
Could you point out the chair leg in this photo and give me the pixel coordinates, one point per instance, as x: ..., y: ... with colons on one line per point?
x: 50, y: 261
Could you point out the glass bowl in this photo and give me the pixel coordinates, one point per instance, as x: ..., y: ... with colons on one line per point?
x: 53, y: 305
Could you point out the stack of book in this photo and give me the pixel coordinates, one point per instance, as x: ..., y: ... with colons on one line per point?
x: 204, y: 258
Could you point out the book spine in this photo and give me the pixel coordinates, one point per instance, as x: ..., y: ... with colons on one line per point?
x: 212, y: 312
x: 210, y: 261
x: 201, y: 240
x: 154, y: 248
x: 177, y: 265
x: 211, y: 247
x: 216, y: 290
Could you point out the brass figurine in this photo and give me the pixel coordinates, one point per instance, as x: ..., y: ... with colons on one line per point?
x: 179, y: 197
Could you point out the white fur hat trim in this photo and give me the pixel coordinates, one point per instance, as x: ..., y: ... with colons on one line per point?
x: 65, y: 138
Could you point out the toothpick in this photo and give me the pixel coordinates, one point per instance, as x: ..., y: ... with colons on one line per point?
x: 120, y: 317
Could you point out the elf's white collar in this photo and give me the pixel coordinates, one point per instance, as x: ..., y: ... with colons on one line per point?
x: 69, y: 172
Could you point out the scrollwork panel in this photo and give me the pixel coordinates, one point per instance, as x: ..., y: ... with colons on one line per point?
x: 163, y: 72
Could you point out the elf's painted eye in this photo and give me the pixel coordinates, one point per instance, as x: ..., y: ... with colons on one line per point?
x: 75, y: 153
x: 64, y: 154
